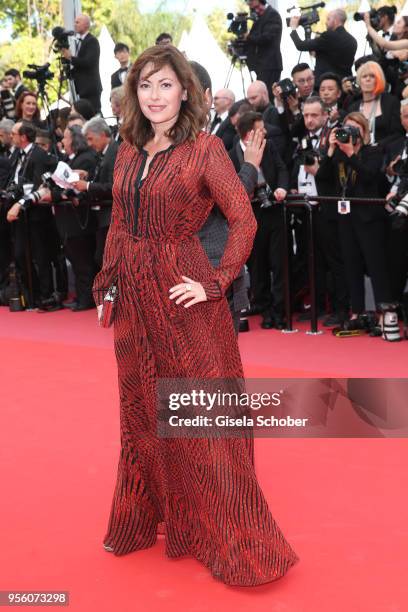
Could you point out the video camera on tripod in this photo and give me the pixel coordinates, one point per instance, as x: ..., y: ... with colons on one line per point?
x: 239, y: 27
x: 41, y: 74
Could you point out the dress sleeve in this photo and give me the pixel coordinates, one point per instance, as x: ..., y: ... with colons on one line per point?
x: 111, y: 256
x: 229, y: 194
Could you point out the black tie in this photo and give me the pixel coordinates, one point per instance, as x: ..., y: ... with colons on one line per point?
x: 77, y: 45
x: 123, y: 70
x: 215, y: 122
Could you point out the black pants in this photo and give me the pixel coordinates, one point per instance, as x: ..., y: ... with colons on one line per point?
x: 397, y: 251
x: 266, y: 257
x: 364, y: 249
x: 34, y: 234
x: 80, y: 251
x: 269, y: 77
x: 329, y: 258
x: 5, y: 246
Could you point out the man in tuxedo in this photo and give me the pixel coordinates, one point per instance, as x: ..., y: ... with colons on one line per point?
x: 99, y: 190
x: 85, y: 63
x: 335, y: 49
x: 263, y: 43
x: 272, y: 184
x: 14, y: 82
x: 6, y: 144
x: 29, y: 163
x: 122, y: 54
x: 223, y: 100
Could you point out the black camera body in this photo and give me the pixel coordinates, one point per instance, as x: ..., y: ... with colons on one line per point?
x: 288, y: 88
x: 401, y: 168
x: 61, y: 37
x: 343, y: 134
x: 263, y: 194
x: 374, y: 18
x: 307, y: 154
x: 7, y: 104
x: 39, y: 73
x: 355, y: 88
x: 307, y: 19
x: 12, y: 194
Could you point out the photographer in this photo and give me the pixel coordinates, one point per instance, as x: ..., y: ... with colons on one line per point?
x: 353, y: 168
x: 335, y: 49
x: 290, y: 95
x: 75, y: 224
x: 397, y: 222
x: 85, y: 63
x: 98, y: 192
x: 313, y: 145
x: 29, y: 164
x: 263, y: 43
x: 6, y: 142
x: 267, y: 251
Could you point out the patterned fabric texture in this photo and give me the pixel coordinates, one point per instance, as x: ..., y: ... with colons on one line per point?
x: 203, y: 491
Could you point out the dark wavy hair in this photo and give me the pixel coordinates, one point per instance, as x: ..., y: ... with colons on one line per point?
x: 136, y: 128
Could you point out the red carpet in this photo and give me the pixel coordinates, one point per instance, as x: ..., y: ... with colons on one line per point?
x: 341, y: 503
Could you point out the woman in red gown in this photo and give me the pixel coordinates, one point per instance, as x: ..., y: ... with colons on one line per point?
x: 172, y: 321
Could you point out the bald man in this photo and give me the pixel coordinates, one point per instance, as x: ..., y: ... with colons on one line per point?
x: 85, y: 63
x: 335, y: 49
x: 223, y: 100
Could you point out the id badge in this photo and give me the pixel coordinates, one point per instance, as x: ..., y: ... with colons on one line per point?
x: 343, y: 207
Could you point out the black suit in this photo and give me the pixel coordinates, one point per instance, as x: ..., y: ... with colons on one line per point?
x: 5, y: 236
x: 362, y: 231
x: 227, y: 133
x: 115, y: 77
x: 335, y: 51
x: 85, y: 71
x: 76, y: 227
x: 100, y: 192
x: 36, y: 223
x: 268, y: 247
x: 387, y: 125
x: 264, y: 55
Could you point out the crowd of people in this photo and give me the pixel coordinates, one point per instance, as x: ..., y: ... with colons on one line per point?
x: 323, y: 132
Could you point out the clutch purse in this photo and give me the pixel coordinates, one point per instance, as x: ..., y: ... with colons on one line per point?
x: 109, y: 307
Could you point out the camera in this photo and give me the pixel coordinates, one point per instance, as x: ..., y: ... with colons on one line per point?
x: 374, y: 18
x: 288, y: 88
x: 307, y: 154
x: 11, y: 194
x: 309, y: 15
x: 264, y: 195
x: 7, y: 104
x: 39, y: 73
x: 343, y: 134
x: 355, y: 88
x: 60, y: 37
x: 239, y: 27
x: 401, y: 168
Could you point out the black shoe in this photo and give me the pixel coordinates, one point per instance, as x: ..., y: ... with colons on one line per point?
x: 333, y: 320
x: 243, y: 325
x: 268, y: 321
x: 307, y: 316
x: 280, y: 322
x: 81, y: 307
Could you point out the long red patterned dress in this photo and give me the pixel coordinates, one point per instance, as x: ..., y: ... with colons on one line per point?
x: 204, y: 490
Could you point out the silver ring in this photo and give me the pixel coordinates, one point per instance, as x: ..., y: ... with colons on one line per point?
x: 187, y: 287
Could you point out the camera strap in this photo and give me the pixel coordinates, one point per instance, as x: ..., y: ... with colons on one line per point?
x: 344, y: 177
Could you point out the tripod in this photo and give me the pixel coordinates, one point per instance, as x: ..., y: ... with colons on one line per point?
x: 242, y: 64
